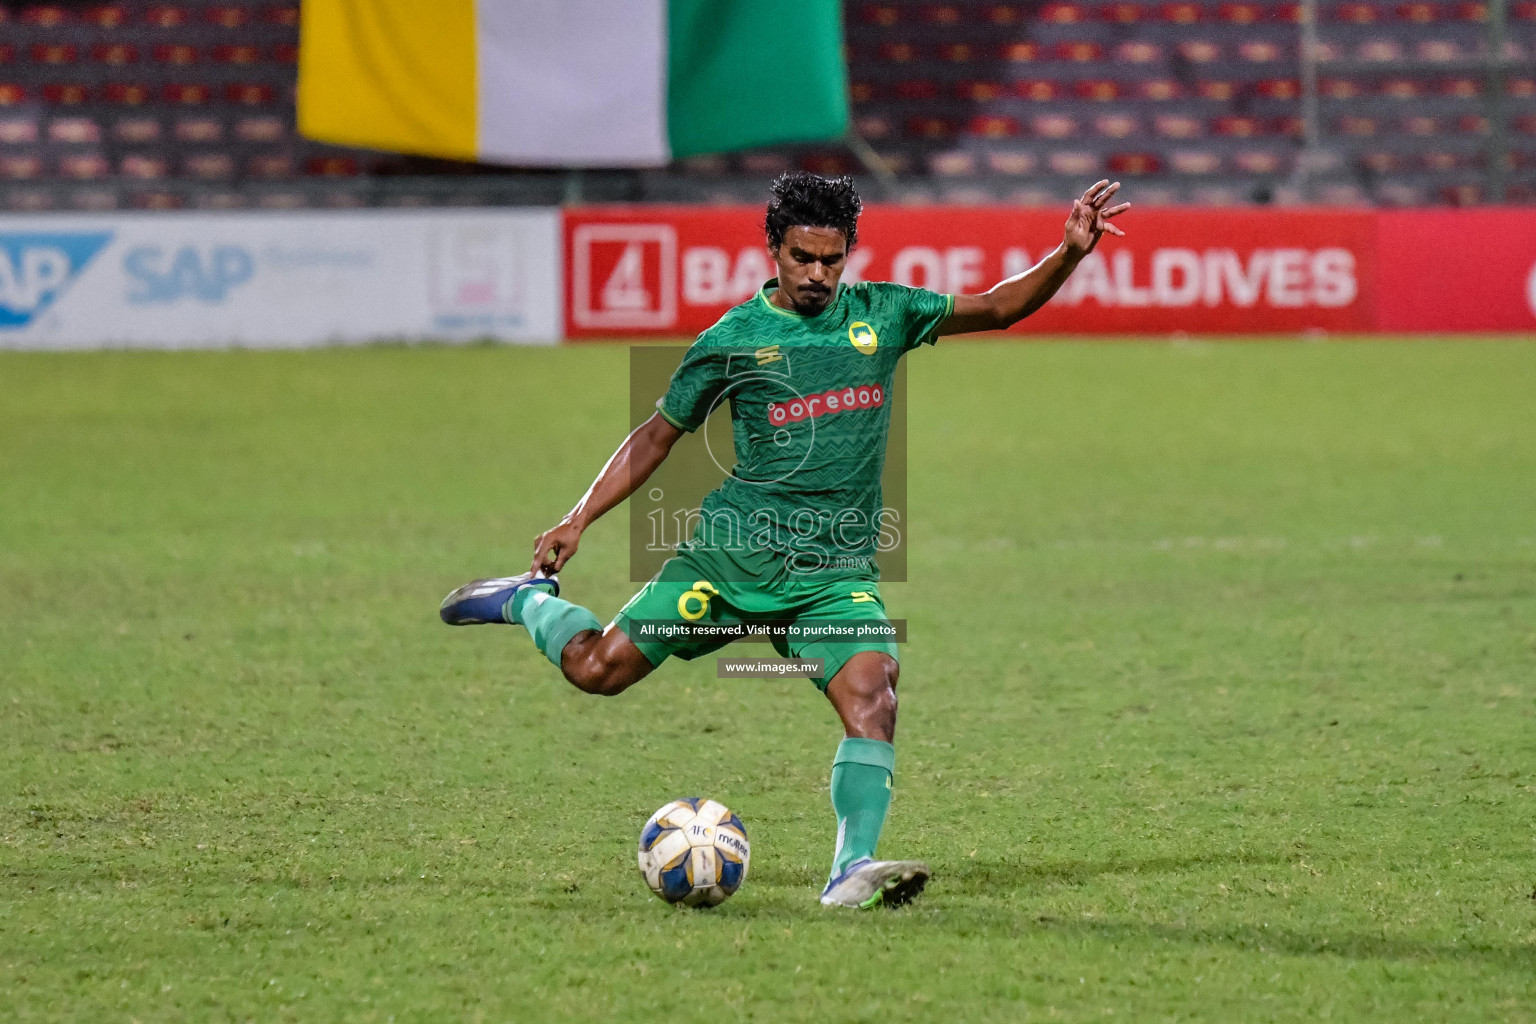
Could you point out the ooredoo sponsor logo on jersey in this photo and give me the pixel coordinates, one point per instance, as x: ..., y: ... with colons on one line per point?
x: 825, y: 403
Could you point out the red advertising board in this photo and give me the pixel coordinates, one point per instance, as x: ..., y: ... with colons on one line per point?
x: 669, y: 271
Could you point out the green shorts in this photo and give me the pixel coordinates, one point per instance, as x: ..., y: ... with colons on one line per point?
x: 695, y: 587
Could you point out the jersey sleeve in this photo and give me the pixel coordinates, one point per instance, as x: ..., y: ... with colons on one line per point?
x: 921, y: 312
x: 695, y: 388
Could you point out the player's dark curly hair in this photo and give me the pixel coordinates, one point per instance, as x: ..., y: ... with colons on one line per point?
x: 809, y: 200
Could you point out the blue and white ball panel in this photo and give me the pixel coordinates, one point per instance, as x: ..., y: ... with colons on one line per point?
x: 694, y: 851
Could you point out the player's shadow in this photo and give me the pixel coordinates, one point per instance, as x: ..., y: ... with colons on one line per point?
x: 984, y: 876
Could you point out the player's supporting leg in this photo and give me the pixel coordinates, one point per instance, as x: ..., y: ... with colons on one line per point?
x: 864, y: 694
x: 594, y: 660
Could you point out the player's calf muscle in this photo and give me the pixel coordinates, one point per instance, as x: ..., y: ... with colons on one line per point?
x: 593, y: 663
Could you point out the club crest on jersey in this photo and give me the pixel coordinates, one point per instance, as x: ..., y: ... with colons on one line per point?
x: 863, y: 337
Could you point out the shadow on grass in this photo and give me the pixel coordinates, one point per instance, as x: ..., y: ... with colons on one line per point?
x: 978, y: 877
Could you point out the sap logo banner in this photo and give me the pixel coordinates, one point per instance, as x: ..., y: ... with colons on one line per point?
x: 36, y: 268
x: 188, y: 272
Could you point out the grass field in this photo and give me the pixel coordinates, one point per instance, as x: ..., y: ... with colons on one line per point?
x: 1220, y: 702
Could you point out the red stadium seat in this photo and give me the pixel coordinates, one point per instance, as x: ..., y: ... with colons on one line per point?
x: 826, y: 164
x: 1520, y: 88
x: 993, y: 126
x: 1098, y: 90
x: 1442, y: 160
x: 1194, y: 161
x: 84, y: 166
x: 952, y: 163
x: 1011, y: 161
x: 1523, y: 11
x: 1421, y: 124
x: 1216, y: 89
x: 54, y: 53
x: 44, y: 15
x: 1134, y: 163
x: 927, y: 127
x: 278, y: 165
x: 1278, y: 88
x: 1472, y: 10
x: 1401, y: 88
x: 140, y: 165
x: 1380, y: 161
x: 1357, y: 125
x: 285, y: 53
x: 128, y: 93
x: 1020, y: 52
x: 1116, y: 126
x: 957, y: 53
x: 1357, y: 13
x: 941, y: 14
x: 250, y: 94
x: 1240, y: 13
x: 286, y: 15
x: 1036, y: 89
x: 1257, y: 161
x: 917, y: 89
x: 1181, y: 13
x: 1001, y: 14
x: 1081, y: 52
x: 179, y: 54
x: 20, y: 166
x: 1199, y: 51
x: 187, y: 93
x: 1138, y: 52
x: 1122, y: 14
x: 136, y: 129
x: 74, y: 130
x: 7, y: 53
x: 1461, y: 195
x: 871, y: 126
x: 979, y: 92
x: 1072, y: 161
x: 17, y: 131
x: 1437, y: 50
x: 1525, y: 123
x: 1177, y: 126
x: 226, y: 16
x: 198, y: 129
x: 1261, y: 51
x: 1286, y: 13
x: 1462, y: 88
x: 1063, y: 13
x: 1472, y: 124
x: 116, y: 54
x: 105, y: 16
x: 884, y: 15
x: 898, y: 53
x: 1053, y: 126
x: 227, y: 53
x: 1399, y: 193
x: 1290, y: 126
x: 208, y: 166
x: 154, y: 200
x: 166, y: 16
x: 1380, y: 50
x: 1418, y: 12
x: 1238, y: 126
x: 862, y: 92
x: 1339, y: 88
x: 66, y: 94
x: 1159, y: 89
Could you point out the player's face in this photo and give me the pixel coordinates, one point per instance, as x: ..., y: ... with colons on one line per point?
x: 811, y: 260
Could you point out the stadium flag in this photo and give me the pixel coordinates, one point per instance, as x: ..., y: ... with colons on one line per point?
x: 571, y: 82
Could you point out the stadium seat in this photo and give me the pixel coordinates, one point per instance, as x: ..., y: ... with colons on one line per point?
x: 1001, y: 14
x: 1177, y: 126
x: 979, y: 92
x: 176, y: 54
x: 1240, y: 13
x: 1199, y: 51
x: 1238, y: 126
x: 1036, y: 89
x: 1097, y: 90
x: 74, y: 130
x: 1475, y: 11
x: 127, y: 93
x: 1437, y: 50
x: 1074, y: 161
x: 898, y: 53
x: 249, y: 94
x: 828, y: 165
x: 1258, y: 161
x: 7, y: 53
x: 1357, y: 125
x: 66, y: 94
x: 1286, y: 14
x: 1520, y: 88
x: 280, y: 165
x: 1278, y: 88
x: 917, y: 89
x: 862, y: 92
x: 226, y: 16
x: 1380, y: 50
x: 1461, y: 87
x: 285, y: 15
x: 1357, y: 13
x: 44, y: 15
x: 940, y: 14
x: 1289, y: 126
x: 198, y: 129
x: 1159, y: 89
x: 116, y: 54
x: 1380, y: 161
x: 285, y: 53
x: 1472, y: 124
x: 929, y: 127
x: 156, y: 200
x: 1339, y: 88
x: 54, y: 53
x: 84, y: 166
x: 1261, y: 51
x: 12, y: 94
x: 209, y: 165
x: 1011, y: 161
x: 1461, y: 195
x: 228, y: 53
x: 884, y: 15
x: 166, y: 16
x: 94, y: 199
x: 1063, y: 13
x: 143, y: 166
x: 1079, y: 52
x: 1019, y: 52
x: 1138, y: 52
x: 1421, y: 124
x: 993, y: 126
x: 1419, y: 13
x: 1401, y: 88
x: 1053, y: 126
x: 874, y: 126
x: 952, y: 163
x: 136, y: 129
x: 186, y: 93
x: 20, y: 166
x: 1134, y: 163
x: 17, y: 131
x: 1181, y: 13
x: 1398, y: 193
x: 106, y: 16
x: 1116, y: 126
x: 1122, y: 13
x: 1194, y: 161
x: 1217, y: 89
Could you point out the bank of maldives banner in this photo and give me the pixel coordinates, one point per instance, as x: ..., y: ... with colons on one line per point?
x: 669, y: 271
x: 192, y: 280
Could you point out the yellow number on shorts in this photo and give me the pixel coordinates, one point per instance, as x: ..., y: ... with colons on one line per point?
x: 702, y: 591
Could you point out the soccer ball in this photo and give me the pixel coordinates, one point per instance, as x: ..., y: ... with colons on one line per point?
x: 694, y: 852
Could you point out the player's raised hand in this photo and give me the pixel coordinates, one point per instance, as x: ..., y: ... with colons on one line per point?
x: 553, y: 548
x: 1090, y: 218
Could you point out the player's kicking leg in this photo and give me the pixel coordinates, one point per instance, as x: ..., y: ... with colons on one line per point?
x: 864, y: 693
x: 593, y: 659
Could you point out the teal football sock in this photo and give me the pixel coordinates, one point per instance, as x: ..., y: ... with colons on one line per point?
x: 861, y: 796
x: 551, y: 622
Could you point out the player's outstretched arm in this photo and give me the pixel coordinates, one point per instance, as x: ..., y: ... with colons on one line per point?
x: 1014, y: 299
x: 634, y: 462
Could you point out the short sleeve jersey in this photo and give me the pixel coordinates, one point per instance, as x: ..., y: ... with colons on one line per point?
x: 810, y: 400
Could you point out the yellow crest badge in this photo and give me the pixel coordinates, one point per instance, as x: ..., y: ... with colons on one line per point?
x: 863, y: 337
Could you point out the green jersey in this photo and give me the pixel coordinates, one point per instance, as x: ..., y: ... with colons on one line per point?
x: 810, y: 400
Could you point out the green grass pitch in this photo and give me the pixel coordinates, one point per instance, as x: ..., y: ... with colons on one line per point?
x: 1219, y: 705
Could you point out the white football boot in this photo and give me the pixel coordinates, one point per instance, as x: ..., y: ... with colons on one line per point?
x: 871, y: 883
